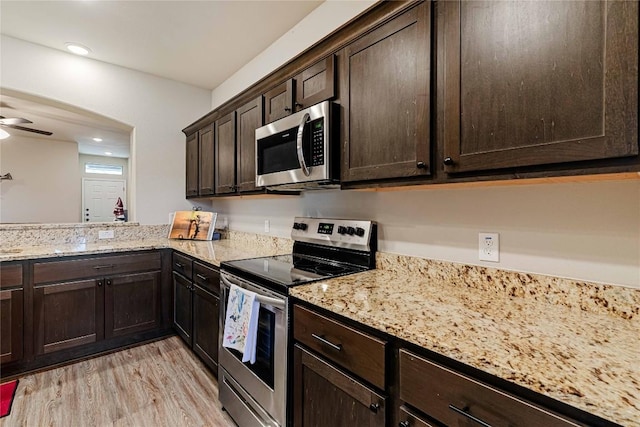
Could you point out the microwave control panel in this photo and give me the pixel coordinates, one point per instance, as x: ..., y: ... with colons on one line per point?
x: 317, y: 142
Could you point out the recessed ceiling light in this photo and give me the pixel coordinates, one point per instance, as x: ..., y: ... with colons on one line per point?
x: 4, y: 134
x: 97, y: 139
x: 78, y: 49
x: 108, y: 153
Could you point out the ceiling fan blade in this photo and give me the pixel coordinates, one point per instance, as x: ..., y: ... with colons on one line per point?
x: 41, y: 132
x: 13, y: 121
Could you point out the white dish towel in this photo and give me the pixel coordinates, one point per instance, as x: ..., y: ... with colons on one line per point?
x: 241, y: 322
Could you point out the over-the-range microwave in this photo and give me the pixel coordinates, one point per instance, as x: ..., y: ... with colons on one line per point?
x: 299, y: 152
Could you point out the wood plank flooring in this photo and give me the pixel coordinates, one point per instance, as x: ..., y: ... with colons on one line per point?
x: 158, y: 384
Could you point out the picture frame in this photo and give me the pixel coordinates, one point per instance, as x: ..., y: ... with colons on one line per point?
x: 193, y: 225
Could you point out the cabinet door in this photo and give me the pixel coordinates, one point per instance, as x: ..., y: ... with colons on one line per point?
x: 206, y: 307
x: 325, y: 396
x: 11, y: 325
x: 132, y: 303
x: 385, y: 97
x: 533, y: 83
x: 226, y: 154
x: 182, y: 307
x: 192, y: 166
x: 316, y: 83
x: 206, y: 161
x: 278, y: 102
x: 249, y: 119
x: 68, y: 315
x: 409, y: 419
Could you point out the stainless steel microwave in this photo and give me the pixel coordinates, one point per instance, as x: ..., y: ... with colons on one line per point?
x: 299, y: 152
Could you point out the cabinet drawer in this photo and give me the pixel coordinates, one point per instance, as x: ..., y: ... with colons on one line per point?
x: 409, y: 419
x: 183, y: 265
x: 359, y: 353
x: 10, y: 276
x: 452, y: 398
x: 56, y: 271
x: 206, y: 277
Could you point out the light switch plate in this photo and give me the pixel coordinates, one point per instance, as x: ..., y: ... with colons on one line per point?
x: 105, y: 234
x: 489, y: 247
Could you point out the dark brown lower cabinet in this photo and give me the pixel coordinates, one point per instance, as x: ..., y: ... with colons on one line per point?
x: 196, y: 308
x: 11, y: 325
x: 410, y: 419
x: 326, y: 396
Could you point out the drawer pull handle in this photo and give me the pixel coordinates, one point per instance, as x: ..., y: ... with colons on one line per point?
x: 404, y: 424
x: 374, y: 407
x: 100, y: 267
x: 464, y: 413
x: 178, y: 265
x: 203, y: 278
x: 336, y: 347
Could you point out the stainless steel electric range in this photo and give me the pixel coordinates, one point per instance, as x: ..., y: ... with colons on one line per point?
x: 256, y: 394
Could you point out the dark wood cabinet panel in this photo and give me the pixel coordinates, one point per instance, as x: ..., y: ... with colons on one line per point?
x: 182, y: 307
x: 206, y: 307
x: 11, y: 323
x: 192, y: 166
x: 278, y: 102
x: 454, y: 399
x: 132, y: 303
x: 182, y: 264
x: 316, y: 83
x: 250, y: 117
x: 226, y: 154
x: 206, y: 161
x: 385, y: 94
x: 410, y: 419
x: 325, y: 396
x: 206, y: 277
x: 10, y: 275
x: 68, y: 315
x: 537, y: 83
x: 360, y: 353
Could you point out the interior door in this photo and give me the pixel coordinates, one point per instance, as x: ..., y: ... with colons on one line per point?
x: 99, y: 197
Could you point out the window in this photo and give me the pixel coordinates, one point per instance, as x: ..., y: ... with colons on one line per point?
x: 102, y: 169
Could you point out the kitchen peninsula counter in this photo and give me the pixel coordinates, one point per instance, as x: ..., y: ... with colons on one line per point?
x: 575, y: 342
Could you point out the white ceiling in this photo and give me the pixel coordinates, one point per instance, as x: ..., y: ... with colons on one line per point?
x: 201, y: 43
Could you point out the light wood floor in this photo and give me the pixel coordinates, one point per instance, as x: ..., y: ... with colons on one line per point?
x: 155, y: 385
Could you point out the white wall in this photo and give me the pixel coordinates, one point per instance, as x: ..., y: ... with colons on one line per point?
x: 588, y: 231
x: 323, y: 20
x: 46, y: 181
x: 156, y: 108
x: 585, y: 231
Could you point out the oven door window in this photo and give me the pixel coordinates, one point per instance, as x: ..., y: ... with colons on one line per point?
x: 264, y: 366
x: 278, y: 152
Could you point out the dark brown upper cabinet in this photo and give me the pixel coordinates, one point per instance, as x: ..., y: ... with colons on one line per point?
x: 249, y: 118
x: 206, y: 161
x: 535, y: 83
x: 278, y: 102
x: 316, y: 83
x: 192, y: 166
x: 385, y: 97
x: 226, y: 154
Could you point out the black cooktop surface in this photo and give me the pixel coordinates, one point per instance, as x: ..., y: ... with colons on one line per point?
x: 290, y: 270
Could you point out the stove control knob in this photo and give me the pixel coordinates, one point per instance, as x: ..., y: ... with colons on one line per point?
x: 296, y: 226
x: 342, y: 230
x: 359, y: 231
x: 302, y: 226
x: 351, y: 231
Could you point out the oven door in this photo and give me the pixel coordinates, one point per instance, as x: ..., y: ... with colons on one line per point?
x: 264, y: 382
x: 295, y: 149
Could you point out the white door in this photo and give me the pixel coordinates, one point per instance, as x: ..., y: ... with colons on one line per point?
x: 99, y: 197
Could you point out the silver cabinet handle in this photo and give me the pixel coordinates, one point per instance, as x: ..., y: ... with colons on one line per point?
x: 337, y: 347
x: 303, y: 165
x: 100, y: 267
x: 203, y: 278
x: 468, y: 415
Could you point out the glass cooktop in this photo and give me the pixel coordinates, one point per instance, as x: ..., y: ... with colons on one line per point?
x: 291, y: 270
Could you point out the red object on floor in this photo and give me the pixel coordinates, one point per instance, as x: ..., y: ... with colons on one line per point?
x: 7, y: 392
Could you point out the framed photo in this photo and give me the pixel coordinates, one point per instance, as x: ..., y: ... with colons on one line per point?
x: 193, y: 225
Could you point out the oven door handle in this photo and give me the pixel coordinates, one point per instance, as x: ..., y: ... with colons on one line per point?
x: 262, y: 299
x: 303, y: 165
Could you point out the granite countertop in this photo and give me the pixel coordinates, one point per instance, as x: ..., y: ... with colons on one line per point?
x: 212, y: 252
x: 584, y: 353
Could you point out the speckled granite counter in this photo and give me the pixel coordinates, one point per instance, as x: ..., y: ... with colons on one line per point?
x: 575, y: 342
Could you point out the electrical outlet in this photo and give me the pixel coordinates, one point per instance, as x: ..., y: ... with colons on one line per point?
x: 266, y: 226
x: 105, y: 234
x: 489, y: 247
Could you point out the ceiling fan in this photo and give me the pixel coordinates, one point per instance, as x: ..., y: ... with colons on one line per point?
x: 15, y: 122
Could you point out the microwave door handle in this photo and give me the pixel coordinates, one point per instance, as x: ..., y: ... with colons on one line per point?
x: 303, y: 165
